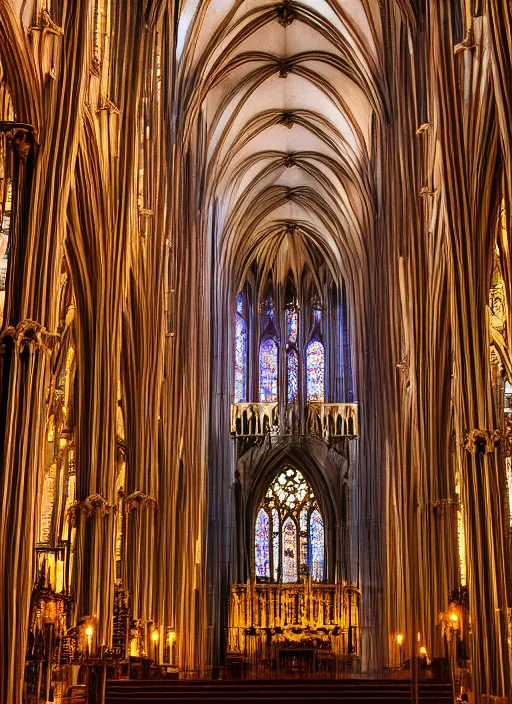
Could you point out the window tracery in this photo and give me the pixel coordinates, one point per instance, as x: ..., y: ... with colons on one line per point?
x: 291, y: 347
x: 296, y: 546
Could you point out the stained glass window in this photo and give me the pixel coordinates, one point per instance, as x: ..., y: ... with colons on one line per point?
x: 268, y: 370
x: 315, y: 365
x: 262, y: 544
x: 292, y: 323
x: 240, y: 352
x: 275, y: 543
x: 289, y: 550
x: 316, y: 530
x: 293, y: 376
x: 297, y: 540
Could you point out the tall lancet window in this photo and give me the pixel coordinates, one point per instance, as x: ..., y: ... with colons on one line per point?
x: 315, y: 370
x: 268, y: 370
x: 241, y: 350
x: 289, y: 531
x: 269, y: 354
x: 292, y: 361
x: 315, y: 360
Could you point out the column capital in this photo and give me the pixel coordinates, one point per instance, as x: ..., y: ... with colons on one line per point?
x: 31, y: 334
x: 139, y: 500
x: 478, y: 441
x: 89, y: 507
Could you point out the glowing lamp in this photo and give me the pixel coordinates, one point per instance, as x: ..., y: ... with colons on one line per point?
x: 400, y: 638
x: 89, y: 632
x: 423, y: 650
x: 62, y: 443
x: 154, y: 636
x: 454, y: 617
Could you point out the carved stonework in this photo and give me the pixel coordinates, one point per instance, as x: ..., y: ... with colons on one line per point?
x: 285, y: 13
x: 287, y: 119
x: 89, y: 507
x: 139, y: 500
x: 285, y: 67
x: 423, y: 128
x: 20, y: 135
x: 478, y: 441
x: 46, y: 24
x: 443, y: 505
x: 109, y: 106
x: 426, y: 192
x: 508, y: 437
x: 33, y: 335
x: 467, y: 44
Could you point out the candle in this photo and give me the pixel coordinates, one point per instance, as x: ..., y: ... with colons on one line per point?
x: 154, y: 638
x: 89, y: 632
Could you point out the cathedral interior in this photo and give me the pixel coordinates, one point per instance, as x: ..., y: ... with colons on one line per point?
x: 255, y: 374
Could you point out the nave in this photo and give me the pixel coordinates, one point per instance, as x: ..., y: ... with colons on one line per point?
x: 255, y: 371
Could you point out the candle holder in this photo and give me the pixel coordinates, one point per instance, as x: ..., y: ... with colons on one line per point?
x: 400, y: 643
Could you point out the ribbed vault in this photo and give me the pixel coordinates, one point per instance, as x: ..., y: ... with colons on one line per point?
x: 287, y: 94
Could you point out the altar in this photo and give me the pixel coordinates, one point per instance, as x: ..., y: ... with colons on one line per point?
x: 307, y: 629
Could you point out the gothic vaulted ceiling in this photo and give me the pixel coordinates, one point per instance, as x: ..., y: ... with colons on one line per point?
x: 287, y: 95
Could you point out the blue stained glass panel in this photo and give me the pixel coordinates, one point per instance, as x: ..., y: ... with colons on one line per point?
x: 289, y: 551
x: 275, y: 542
x: 293, y: 376
x: 240, y: 359
x: 240, y: 303
x: 315, y: 371
x: 268, y: 370
x: 292, y: 322
x: 317, y: 540
x: 262, y: 544
x: 296, y: 543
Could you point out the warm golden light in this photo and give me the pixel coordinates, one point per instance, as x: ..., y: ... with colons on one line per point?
x: 62, y: 443
x: 400, y: 638
x: 423, y: 650
x: 89, y: 631
x: 154, y: 636
x: 454, y: 617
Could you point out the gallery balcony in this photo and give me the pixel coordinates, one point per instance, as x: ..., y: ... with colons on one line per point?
x: 326, y: 420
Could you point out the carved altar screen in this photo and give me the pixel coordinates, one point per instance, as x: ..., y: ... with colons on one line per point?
x: 289, y: 540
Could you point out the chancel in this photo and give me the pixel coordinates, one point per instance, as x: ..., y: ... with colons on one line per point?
x: 255, y: 372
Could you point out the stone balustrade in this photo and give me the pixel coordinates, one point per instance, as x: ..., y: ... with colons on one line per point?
x: 328, y: 420
x: 331, y: 420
